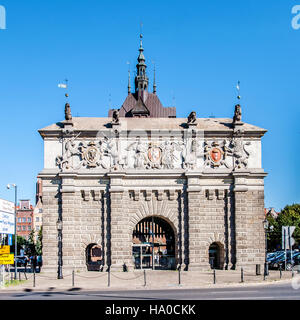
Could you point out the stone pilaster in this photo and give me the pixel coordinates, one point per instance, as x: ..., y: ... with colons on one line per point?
x: 229, y: 219
x: 69, y: 231
x: 120, y: 238
x: 51, y: 207
x: 194, y: 236
x: 249, y: 231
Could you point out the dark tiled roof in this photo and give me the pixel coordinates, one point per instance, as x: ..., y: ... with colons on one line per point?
x: 152, y: 103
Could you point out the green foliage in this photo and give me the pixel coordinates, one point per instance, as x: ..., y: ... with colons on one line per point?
x: 21, y: 243
x: 289, y: 216
x: 31, y: 249
x: 39, y: 243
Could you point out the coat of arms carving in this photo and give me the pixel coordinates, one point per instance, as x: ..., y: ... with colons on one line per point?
x: 215, y: 154
x: 91, y: 154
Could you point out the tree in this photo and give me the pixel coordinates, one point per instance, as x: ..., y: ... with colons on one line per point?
x: 39, y: 243
x: 21, y: 243
x: 31, y: 249
x: 289, y: 216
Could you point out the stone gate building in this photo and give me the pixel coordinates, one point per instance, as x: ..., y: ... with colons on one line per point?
x: 147, y: 189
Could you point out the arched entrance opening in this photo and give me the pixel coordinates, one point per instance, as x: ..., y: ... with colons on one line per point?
x: 216, y: 255
x: 154, y: 244
x: 94, y: 258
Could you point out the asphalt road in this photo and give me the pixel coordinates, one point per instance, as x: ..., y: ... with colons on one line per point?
x: 283, y: 291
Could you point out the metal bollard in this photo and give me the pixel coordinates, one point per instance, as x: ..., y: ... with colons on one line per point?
x: 280, y: 272
x: 108, y: 278
x: 73, y: 280
x: 34, y: 279
x: 215, y: 276
x: 179, y: 279
x: 293, y: 272
x: 242, y: 275
x: 145, y: 283
x: 19, y: 276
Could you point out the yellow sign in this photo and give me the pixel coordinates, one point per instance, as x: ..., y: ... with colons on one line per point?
x: 7, y: 259
x: 4, y: 249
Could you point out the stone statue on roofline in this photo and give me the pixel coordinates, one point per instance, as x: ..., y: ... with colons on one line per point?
x: 192, y: 118
x: 237, y: 114
x: 68, y: 115
x: 115, y: 117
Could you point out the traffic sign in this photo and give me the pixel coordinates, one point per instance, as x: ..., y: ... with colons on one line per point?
x: 4, y: 249
x: 287, y: 240
x: 10, y: 239
x: 7, y: 259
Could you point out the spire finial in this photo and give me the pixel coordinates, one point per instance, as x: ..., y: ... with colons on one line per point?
x: 141, y: 40
x: 129, y: 86
x: 141, y: 34
x: 154, y: 81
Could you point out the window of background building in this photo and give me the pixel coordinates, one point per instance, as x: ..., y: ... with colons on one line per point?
x: 37, y: 219
x: 29, y: 228
x: 24, y: 228
x: 19, y: 219
x: 28, y: 219
x: 23, y: 219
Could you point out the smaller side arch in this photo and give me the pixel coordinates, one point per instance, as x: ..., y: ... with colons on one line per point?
x: 216, y: 255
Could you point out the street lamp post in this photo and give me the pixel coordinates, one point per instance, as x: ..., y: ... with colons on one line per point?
x: 16, y: 190
x: 266, y: 226
x: 60, y: 262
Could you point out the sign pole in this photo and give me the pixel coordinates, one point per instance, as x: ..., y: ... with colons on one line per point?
x: 16, y: 232
x: 284, y: 237
x: 290, y: 246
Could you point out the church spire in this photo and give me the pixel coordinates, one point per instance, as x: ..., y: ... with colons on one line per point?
x: 141, y: 79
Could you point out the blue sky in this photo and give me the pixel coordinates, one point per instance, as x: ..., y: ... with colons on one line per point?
x: 200, y: 48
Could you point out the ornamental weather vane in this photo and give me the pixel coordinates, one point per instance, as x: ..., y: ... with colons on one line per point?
x: 238, y: 89
x: 64, y: 86
x: 68, y: 115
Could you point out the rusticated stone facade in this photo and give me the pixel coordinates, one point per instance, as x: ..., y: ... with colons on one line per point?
x: 104, y: 177
x: 101, y: 203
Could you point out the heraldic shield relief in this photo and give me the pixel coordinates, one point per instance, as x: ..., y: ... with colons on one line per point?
x: 216, y: 155
x: 91, y: 154
x: 154, y: 154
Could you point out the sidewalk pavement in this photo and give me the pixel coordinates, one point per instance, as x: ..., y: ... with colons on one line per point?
x: 137, y: 280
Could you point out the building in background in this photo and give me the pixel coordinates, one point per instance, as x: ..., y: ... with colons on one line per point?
x: 24, y: 218
x: 38, y: 210
x: 271, y: 212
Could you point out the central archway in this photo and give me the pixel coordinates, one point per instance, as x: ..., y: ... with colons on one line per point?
x: 154, y: 245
